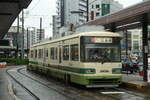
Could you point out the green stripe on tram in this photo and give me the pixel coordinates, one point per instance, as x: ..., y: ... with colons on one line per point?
x: 70, y: 69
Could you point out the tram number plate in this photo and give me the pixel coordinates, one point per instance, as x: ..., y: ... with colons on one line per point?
x: 104, y: 71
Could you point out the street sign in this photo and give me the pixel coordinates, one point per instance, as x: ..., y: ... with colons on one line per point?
x: 148, y: 76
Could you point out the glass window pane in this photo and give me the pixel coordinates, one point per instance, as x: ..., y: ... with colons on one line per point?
x: 98, y: 53
x: 52, y: 53
x: 74, y: 52
x: 65, y: 52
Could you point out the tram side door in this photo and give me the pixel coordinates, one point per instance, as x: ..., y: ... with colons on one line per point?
x: 60, y: 55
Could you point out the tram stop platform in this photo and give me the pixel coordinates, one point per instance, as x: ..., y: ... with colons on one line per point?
x: 135, y: 81
x: 4, y: 85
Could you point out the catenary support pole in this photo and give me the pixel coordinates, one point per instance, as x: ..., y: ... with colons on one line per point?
x: 40, y: 29
x: 87, y: 19
x: 113, y: 27
x: 126, y: 39
x: 22, y: 47
x: 17, y: 38
x: 145, y: 44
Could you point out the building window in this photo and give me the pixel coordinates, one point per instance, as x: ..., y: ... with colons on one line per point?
x: 92, y: 6
x: 97, y: 6
x: 135, y: 45
x: 66, y: 52
x: 74, y: 52
x: 97, y: 14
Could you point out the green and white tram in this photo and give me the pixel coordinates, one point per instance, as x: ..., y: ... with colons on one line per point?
x: 91, y: 59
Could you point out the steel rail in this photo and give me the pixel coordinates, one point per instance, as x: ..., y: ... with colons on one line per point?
x: 25, y: 88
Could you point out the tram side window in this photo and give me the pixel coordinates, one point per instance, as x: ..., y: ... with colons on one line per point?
x: 53, y: 53
x: 32, y: 54
x: 74, y: 52
x: 45, y: 53
x: 39, y: 53
x: 66, y: 52
x: 42, y: 53
x: 35, y: 53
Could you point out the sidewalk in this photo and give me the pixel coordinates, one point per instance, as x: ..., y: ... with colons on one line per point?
x: 135, y: 81
x: 4, y: 92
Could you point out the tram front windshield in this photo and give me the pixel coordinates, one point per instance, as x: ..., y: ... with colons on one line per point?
x: 101, y: 52
x: 98, y: 52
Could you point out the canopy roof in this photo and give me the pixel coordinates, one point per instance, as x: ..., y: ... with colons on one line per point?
x: 129, y: 17
x: 9, y: 10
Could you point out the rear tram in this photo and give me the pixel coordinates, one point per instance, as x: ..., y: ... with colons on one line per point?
x: 91, y: 59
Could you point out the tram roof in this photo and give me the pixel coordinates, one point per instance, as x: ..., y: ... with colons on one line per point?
x: 94, y: 33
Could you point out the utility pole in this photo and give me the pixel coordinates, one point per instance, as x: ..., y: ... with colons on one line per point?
x: 17, y: 46
x: 22, y: 46
x: 87, y: 10
x: 28, y: 41
x: 40, y: 37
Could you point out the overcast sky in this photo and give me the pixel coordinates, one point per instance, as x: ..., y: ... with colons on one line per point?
x: 47, y: 8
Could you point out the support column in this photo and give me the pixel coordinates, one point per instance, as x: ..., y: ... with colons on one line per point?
x: 113, y: 27
x: 145, y: 44
x: 126, y: 40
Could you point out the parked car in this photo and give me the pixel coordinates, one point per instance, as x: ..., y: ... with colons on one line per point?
x: 129, y: 65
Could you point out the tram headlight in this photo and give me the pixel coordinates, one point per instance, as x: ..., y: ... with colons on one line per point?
x: 90, y: 71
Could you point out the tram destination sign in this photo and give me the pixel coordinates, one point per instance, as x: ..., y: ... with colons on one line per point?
x: 101, y: 40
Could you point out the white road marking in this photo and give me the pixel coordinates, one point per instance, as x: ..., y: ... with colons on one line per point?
x: 112, y: 92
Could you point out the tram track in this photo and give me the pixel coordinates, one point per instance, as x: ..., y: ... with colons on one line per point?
x: 76, y: 89
x: 19, y: 71
x: 50, y: 86
x: 95, y: 92
x: 25, y: 88
x: 115, y: 98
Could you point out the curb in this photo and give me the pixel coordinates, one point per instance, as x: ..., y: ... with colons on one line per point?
x: 141, y: 88
x: 10, y: 90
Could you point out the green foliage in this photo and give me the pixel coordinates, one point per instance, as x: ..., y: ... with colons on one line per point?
x: 13, y: 61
